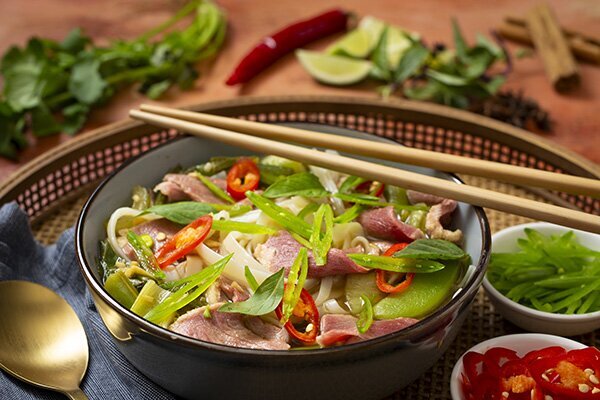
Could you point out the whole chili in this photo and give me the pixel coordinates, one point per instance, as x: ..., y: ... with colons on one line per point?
x: 275, y: 46
x: 381, y: 280
x: 304, y: 323
x: 184, y: 241
x: 243, y: 176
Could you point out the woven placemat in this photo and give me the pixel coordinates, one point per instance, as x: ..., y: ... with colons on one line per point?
x: 52, y: 189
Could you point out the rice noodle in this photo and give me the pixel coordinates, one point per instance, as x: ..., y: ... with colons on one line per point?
x: 324, y: 290
x: 332, y: 306
x: 361, y: 241
x: 328, y: 179
x: 190, y: 266
x: 295, y: 203
x: 111, y: 228
x: 250, y: 216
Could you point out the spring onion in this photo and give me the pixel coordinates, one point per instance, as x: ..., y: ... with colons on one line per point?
x: 294, y: 285
x: 393, y: 264
x: 121, y: 289
x: 365, y: 317
x: 280, y: 215
x: 321, y: 241
x: 243, y: 227
x: 217, y: 191
x: 144, y: 255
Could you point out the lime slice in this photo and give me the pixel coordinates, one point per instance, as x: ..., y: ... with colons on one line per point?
x: 397, y: 44
x: 333, y: 70
x: 356, y: 43
x: 360, y: 42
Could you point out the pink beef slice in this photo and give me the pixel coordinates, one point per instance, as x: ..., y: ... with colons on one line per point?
x: 225, y: 289
x: 280, y: 251
x: 438, y: 216
x: 178, y: 187
x: 415, y: 197
x: 383, y: 223
x: 153, y: 228
x: 231, y: 329
x: 341, y: 328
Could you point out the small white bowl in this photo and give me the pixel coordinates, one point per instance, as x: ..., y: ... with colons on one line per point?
x: 522, y: 343
x: 529, y: 318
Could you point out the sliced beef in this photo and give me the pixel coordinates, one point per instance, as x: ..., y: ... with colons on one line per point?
x: 280, y: 251
x: 341, y: 328
x: 225, y: 289
x: 439, y: 216
x: 159, y: 230
x: 383, y: 223
x: 178, y: 187
x: 415, y: 197
x: 231, y: 329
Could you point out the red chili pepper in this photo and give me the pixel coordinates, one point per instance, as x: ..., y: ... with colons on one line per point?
x: 243, y: 176
x: 380, y: 277
x: 306, y: 315
x: 371, y: 187
x: 275, y: 46
x: 573, y: 375
x: 184, y: 241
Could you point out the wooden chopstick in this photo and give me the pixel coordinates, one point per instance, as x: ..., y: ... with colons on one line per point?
x: 444, y: 162
x: 386, y: 174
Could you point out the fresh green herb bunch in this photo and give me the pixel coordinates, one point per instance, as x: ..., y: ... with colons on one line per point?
x: 51, y: 86
x: 452, y: 77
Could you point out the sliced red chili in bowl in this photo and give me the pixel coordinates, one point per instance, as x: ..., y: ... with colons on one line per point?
x: 243, y: 176
x: 184, y: 241
x: 381, y: 277
x: 303, y: 325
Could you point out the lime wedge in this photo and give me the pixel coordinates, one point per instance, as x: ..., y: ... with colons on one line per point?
x: 360, y: 42
x: 397, y: 44
x: 333, y: 70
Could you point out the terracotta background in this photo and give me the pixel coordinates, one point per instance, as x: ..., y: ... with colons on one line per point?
x: 576, y: 115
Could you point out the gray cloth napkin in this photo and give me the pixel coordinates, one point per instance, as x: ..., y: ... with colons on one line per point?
x: 109, y: 374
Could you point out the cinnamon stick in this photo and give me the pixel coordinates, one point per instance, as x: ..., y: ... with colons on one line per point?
x: 584, y: 48
x: 552, y: 47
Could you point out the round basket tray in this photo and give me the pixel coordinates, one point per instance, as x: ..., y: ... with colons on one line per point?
x: 53, y: 187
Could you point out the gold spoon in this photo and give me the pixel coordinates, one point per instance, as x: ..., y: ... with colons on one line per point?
x: 42, y: 341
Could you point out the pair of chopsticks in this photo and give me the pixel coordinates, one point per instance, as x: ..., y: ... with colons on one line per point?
x: 253, y: 137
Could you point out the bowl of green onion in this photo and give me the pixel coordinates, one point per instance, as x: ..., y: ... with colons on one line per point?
x: 546, y: 278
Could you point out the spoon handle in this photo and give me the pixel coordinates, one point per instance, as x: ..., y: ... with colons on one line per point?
x: 76, y: 394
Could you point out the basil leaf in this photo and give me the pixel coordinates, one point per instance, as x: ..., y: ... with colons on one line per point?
x: 265, y: 299
x: 193, y: 286
x: 243, y: 227
x: 448, y: 79
x: 280, y: 215
x: 321, y: 241
x: 182, y: 212
x: 411, y: 62
x: 380, y: 57
x: 301, y: 184
x: 459, y: 41
x: 393, y: 264
x: 365, y: 318
x: 431, y: 249
x: 294, y: 285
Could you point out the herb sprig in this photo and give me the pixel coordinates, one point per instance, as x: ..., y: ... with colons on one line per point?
x: 51, y: 86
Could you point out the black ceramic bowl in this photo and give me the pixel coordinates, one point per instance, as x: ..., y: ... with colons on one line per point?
x: 195, y: 369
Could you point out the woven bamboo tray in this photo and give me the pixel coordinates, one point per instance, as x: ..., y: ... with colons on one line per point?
x: 52, y: 188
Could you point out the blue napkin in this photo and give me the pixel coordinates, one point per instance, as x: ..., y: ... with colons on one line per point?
x: 109, y: 374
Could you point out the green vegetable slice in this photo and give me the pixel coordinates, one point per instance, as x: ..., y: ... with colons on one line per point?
x: 394, y: 264
x: 280, y: 215
x: 244, y: 227
x: 250, y: 278
x: 192, y: 287
x: 431, y: 249
x: 264, y: 300
x: 217, y: 191
x: 144, y: 255
x: 295, y: 283
x: 121, y: 289
x: 321, y: 241
x: 365, y: 318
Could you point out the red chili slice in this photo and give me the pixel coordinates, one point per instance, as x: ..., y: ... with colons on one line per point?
x: 184, y: 241
x: 243, y: 176
x: 371, y: 187
x: 290, y: 38
x: 306, y: 314
x: 381, y: 279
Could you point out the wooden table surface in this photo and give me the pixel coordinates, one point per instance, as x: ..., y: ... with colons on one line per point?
x: 576, y: 115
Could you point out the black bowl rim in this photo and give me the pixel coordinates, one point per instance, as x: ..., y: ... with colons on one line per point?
x: 163, y: 333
